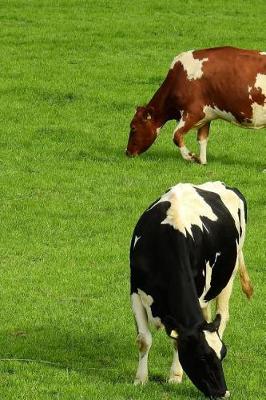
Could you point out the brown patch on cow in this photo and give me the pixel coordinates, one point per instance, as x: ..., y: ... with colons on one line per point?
x: 227, y: 92
x: 257, y: 96
x: 142, y: 344
x: 219, y: 85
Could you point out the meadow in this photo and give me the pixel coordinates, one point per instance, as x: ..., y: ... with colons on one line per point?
x: 71, y: 74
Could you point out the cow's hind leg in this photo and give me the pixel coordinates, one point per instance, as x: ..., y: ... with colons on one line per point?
x: 222, y: 305
x: 207, y: 313
x: 187, y: 122
x: 144, y: 339
x: 202, y: 137
x: 176, y: 371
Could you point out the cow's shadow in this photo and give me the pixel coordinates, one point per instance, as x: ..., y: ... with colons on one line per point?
x: 172, y: 155
x: 96, y: 356
x: 212, y: 158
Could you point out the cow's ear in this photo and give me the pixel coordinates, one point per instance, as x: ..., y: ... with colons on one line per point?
x: 214, y: 325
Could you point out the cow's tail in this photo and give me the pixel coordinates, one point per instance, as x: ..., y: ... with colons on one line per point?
x: 244, y: 277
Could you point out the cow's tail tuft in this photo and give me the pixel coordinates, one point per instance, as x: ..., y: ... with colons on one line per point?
x: 244, y: 277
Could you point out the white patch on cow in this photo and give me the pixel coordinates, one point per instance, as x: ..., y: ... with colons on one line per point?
x: 261, y: 83
x: 263, y: 53
x: 214, y: 342
x: 180, y: 125
x: 173, y: 334
x: 147, y: 301
x: 258, y: 119
x: 187, y: 208
x: 249, y: 90
x: 205, y: 227
x: 157, y: 131
x: 191, y: 65
x: 136, y: 240
x: 212, y: 113
x: 216, y: 256
x: 258, y: 116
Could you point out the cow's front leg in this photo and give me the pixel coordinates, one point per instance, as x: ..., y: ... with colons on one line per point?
x: 202, y: 137
x: 176, y: 371
x: 187, y: 122
x: 144, y: 339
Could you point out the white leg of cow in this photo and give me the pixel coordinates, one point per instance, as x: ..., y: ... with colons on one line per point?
x: 186, y: 123
x: 222, y: 305
x: 202, y: 136
x: 144, y: 339
x: 176, y: 371
x: 203, y: 151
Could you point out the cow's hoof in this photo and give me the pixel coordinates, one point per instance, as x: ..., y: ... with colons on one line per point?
x: 194, y: 158
x: 139, y: 381
x: 176, y: 379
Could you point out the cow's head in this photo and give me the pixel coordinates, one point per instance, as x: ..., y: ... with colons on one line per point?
x: 201, y: 353
x: 143, y: 131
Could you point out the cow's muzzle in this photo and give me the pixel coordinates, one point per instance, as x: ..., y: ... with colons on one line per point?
x: 130, y: 154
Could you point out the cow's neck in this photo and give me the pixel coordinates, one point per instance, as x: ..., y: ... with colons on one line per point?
x: 184, y: 303
x: 164, y: 104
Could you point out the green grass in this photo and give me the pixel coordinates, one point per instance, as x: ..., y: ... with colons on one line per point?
x: 71, y: 73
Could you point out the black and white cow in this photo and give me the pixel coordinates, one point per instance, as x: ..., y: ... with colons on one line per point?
x: 185, y: 250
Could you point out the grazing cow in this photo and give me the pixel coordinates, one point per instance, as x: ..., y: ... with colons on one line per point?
x: 185, y: 251
x: 203, y: 85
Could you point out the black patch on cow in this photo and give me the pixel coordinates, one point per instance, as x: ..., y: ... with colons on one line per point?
x: 160, y: 266
x: 219, y: 243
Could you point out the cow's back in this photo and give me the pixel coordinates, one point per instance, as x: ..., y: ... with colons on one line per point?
x: 203, y: 224
x: 225, y: 82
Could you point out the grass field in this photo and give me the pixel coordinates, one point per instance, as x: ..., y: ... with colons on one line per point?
x: 71, y: 74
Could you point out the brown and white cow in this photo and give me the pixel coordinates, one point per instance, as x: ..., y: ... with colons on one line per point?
x: 203, y: 85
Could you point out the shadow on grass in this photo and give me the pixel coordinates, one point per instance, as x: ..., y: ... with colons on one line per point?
x: 92, y: 353
x: 220, y: 158
x: 106, y: 358
x: 157, y: 155
x: 227, y: 160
